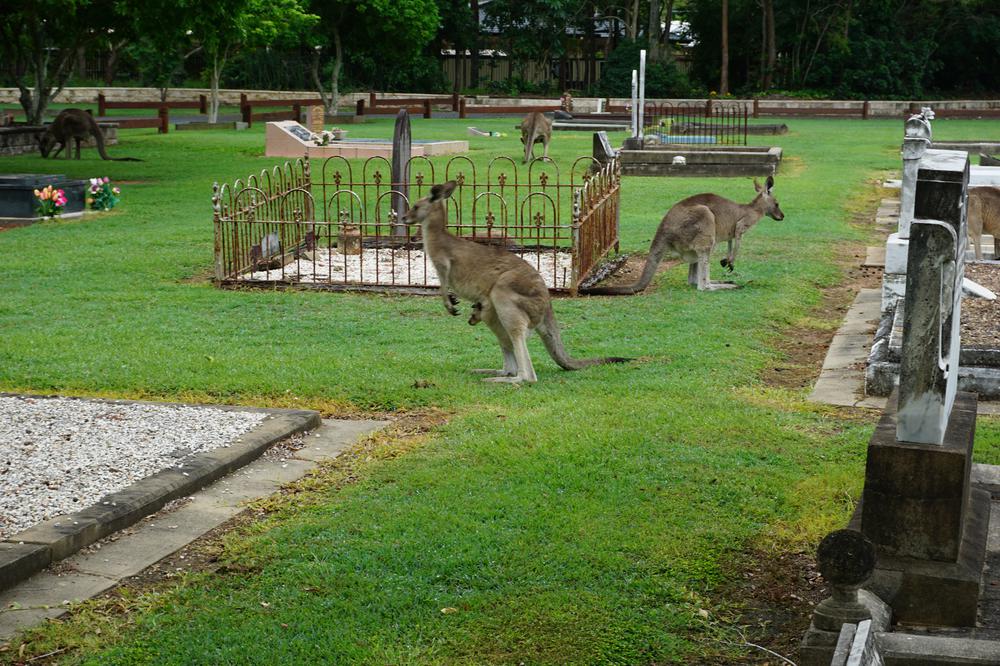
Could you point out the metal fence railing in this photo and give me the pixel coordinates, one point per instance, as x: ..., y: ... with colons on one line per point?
x: 342, y: 230
x: 712, y: 123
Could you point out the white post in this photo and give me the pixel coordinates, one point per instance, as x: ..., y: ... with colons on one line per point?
x: 635, y: 103
x: 642, y: 90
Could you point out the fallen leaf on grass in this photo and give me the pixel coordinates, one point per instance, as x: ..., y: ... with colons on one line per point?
x: 449, y: 610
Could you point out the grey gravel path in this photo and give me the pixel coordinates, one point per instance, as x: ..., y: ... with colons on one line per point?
x: 59, y: 455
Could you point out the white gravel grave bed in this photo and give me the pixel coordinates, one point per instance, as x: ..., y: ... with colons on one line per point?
x: 396, y: 267
x: 59, y: 456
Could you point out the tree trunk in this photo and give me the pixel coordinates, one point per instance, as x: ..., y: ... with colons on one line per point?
x: 338, y: 63
x: 772, y: 49
x: 724, y: 77
x: 474, y: 72
x: 213, y: 102
x: 633, y: 27
x: 653, y: 31
x: 668, y: 50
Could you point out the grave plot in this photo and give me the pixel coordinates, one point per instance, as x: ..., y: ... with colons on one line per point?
x: 696, y: 140
x: 73, y: 470
x: 343, y: 230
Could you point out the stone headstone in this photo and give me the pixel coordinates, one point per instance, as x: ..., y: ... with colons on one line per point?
x: 603, y: 152
x: 401, y: 146
x: 916, y: 141
x: 928, y: 373
x: 317, y: 116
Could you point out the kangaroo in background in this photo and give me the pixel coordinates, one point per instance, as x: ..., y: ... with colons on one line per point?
x: 78, y: 125
x: 984, y: 215
x: 690, y: 231
x: 534, y: 128
x: 507, y: 293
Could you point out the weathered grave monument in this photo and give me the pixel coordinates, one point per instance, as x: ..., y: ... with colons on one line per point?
x: 289, y: 138
x: 926, y: 522
x: 923, y: 164
x: 402, y: 148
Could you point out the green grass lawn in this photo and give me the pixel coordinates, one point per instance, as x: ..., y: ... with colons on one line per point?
x: 584, y: 519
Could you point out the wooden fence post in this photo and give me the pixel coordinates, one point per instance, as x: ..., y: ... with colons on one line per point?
x: 427, y: 108
x: 297, y: 112
x: 100, y: 104
x: 371, y: 100
x: 246, y: 110
x: 360, y: 110
x: 461, y: 108
x: 202, y: 104
x: 756, y: 108
x: 164, y: 114
x: 454, y: 101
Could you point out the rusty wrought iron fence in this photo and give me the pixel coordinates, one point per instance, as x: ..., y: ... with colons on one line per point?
x: 337, y: 225
x: 719, y: 123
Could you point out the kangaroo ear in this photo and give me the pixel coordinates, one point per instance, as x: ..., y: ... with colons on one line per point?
x: 443, y: 190
x: 770, y: 183
x: 756, y: 185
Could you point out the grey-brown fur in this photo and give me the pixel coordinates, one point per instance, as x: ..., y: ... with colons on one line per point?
x: 76, y: 125
x: 535, y: 128
x: 984, y: 215
x: 508, y: 294
x: 690, y: 230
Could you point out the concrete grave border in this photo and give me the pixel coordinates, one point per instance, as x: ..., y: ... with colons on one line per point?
x: 33, y: 549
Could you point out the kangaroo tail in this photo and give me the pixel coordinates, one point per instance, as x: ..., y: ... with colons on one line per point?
x: 99, y: 140
x: 656, y: 250
x: 548, y: 331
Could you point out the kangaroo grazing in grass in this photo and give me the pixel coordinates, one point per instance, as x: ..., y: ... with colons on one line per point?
x: 690, y: 231
x: 78, y: 125
x: 507, y: 293
x: 534, y: 128
x: 984, y: 215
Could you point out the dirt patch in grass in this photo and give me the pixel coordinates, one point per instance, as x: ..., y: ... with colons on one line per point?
x: 775, y: 595
x: 803, y: 348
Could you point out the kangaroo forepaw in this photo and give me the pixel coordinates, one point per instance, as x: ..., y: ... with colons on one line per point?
x: 453, y: 299
x: 452, y: 310
x: 727, y: 264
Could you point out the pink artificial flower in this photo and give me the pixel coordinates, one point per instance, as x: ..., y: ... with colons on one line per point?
x: 116, y: 190
x: 107, y: 180
x: 38, y: 193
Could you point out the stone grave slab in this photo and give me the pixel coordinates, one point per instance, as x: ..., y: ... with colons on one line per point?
x: 288, y: 138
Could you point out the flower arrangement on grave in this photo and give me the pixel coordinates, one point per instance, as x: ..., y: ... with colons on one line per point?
x: 50, y: 201
x: 102, y: 196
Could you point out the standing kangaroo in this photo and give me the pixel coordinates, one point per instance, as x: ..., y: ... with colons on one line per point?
x: 690, y: 230
x: 509, y: 295
x: 984, y: 215
x: 534, y: 128
x: 78, y: 125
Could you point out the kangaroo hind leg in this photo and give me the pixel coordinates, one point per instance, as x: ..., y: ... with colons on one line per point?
x: 487, y: 314
x: 516, y: 323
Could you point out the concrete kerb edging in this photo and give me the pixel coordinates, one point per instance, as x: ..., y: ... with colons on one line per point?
x: 33, y: 549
